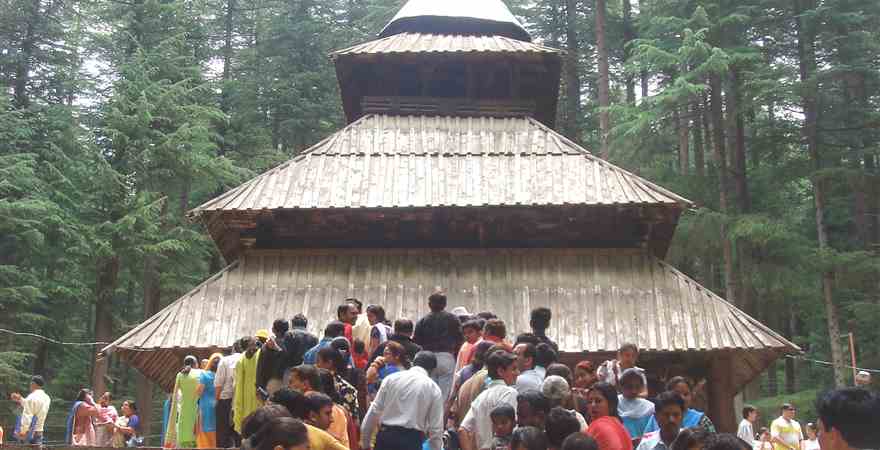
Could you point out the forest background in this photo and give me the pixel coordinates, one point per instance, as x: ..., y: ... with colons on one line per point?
x: 120, y: 115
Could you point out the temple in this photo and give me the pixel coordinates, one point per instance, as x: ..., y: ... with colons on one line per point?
x: 449, y: 176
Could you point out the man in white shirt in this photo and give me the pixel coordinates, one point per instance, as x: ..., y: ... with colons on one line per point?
x: 407, y: 408
x: 529, y: 378
x: 746, y: 430
x: 224, y: 384
x: 475, y: 432
x: 34, y: 410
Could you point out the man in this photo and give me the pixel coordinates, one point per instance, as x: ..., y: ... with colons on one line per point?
x: 244, y: 399
x: 347, y: 314
x: 35, y: 407
x: 333, y: 330
x: 848, y: 419
x: 785, y: 432
x: 561, y: 424
x: 224, y: 388
x: 539, y: 322
x: 319, y: 410
x: 473, y: 334
x: 270, y: 371
x: 305, y: 378
x: 297, y: 404
x: 440, y: 333
x: 403, y: 331
x: 746, y: 430
x: 475, y: 432
x: 407, y: 408
x: 531, y: 409
x: 495, y: 331
x: 610, y: 371
x: 863, y: 379
x: 528, y: 378
x: 469, y: 383
x: 544, y: 357
x: 296, y: 343
x: 668, y: 411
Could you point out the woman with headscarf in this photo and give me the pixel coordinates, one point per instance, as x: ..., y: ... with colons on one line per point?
x: 81, y: 420
x: 207, y: 425
x: 184, y: 406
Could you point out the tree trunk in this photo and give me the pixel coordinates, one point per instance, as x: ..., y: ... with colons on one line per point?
x: 807, y: 66
x: 628, y: 36
x: 790, y: 367
x: 572, y: 77
x: 699, y: 154
x: 717, y: 117
x: 26, y: 53
x: 772, y: 380
x: 604, y: 100
x: 682, y: 124
x: 643, y: 83
x: 108, y: 274
x: 736, y: 140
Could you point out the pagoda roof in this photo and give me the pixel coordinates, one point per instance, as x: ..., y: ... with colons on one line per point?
x: 600, y: 298
x: 384, y: 161
x: 412, y: 43
x: 485, y: 17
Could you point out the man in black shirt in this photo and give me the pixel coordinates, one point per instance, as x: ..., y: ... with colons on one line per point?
x: 540, y: 321
x: 296, y: 343
x: 270, y: 370
x: 440, y: 332
x: 403, y: 331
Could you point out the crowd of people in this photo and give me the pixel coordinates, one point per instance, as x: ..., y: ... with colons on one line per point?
x: 452, y: 380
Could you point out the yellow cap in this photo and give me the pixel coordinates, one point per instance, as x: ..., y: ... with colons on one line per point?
x: 264, y: 333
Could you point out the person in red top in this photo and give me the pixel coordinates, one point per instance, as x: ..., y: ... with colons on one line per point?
x: 605, y: 425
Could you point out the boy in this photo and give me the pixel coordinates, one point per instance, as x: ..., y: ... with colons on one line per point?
x: 503, y: 419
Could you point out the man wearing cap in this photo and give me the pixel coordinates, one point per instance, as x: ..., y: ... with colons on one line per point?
x: 785, y: 432
x: 863, y: 379
x: 35, y: 408
x: 440, y: 332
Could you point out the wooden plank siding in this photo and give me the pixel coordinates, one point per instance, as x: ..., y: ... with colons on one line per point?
x: 600, y: 298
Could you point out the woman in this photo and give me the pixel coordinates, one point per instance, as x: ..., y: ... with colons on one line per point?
x: 394, y: 359
x: 692, y: 417
x: 281, y: 433
x: 812, y: 441
x: 380, y: 329
x: 81, y: 420
x: 339, y: 427
x: 184, y: 406
x: 605, y: 426
x: 207, y: 422
x: 128, y: 426
x: 635, y: 412
x: 106, y: 419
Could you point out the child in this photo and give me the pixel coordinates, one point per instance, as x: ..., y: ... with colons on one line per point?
x: 635, y: 412
x: 763, y: 442
x: 812, y: 441
x: 503, y: 419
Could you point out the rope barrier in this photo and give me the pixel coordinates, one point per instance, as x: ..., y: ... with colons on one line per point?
x: 48, y: 339
x: 831, y: 364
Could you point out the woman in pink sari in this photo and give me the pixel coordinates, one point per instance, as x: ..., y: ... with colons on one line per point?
x: 81, y: 424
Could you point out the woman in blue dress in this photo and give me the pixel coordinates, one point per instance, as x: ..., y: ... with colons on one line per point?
x: 207, y: 425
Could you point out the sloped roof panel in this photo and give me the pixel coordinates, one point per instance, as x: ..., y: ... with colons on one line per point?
x: 394, y: 161
x: 423, y: 43
x: 600, y: 298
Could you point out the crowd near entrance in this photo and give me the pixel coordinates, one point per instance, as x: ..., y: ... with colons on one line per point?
x: 451, y: 380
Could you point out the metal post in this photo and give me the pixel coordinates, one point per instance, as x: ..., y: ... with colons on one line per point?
x: 852, y: 354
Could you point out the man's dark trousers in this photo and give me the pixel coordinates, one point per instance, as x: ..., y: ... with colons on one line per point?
x: 398, y: 438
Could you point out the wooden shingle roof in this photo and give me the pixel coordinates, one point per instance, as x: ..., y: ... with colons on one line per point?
x: 421, y: 161
x: 600, y: 298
